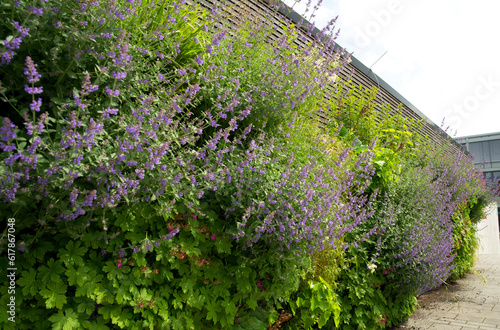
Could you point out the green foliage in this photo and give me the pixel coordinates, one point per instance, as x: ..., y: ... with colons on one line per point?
x: 387, y: 165
x: 180, y: 30
x: 124, y: 264
x: 327, y: 264
x: 483, y: 201
x: 185, y: 250
x: 65, y: 320
x: 418, y: 235
x: 272, y: 76
x: 369, y: 296
x: 355, y: 109
x: 355, y: 114
x: 465, y: 242
x: 315, y: 305
x: 196, y: 279
x: 465, y: 222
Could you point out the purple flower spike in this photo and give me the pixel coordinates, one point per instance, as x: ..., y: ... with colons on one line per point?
x: 36, y: 11
x: 110, y: 92
x: 119, y: 75
x: 33, y: 90
x: 30, y: 71
x: 6, y: 131
x: 35, y: 105
x: 109, y: 111
x: 23, y: 32
x: 173, y: 233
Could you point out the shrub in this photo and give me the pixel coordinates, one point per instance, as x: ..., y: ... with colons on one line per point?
x: 315, y: 302
x: 142, y: 206
x: 465, y: 243
x: 354, y: 109
x: 166, y: 170
x: 410, y: 244
x: 353, y: 112
x: 269, y: 79
x: 368, y: 292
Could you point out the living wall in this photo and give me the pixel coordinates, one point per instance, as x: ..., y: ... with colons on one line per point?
x: 164, y: 169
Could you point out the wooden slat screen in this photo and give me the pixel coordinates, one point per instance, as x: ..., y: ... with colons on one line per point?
x: 241, y: 10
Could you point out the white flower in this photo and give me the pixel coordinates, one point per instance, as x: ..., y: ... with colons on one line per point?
x: 372, y: 267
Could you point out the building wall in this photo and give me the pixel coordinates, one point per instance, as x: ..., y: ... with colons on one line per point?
x: 485, y: 149
x: 488, y: 232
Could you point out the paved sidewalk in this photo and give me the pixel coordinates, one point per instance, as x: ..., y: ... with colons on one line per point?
x: 471, y: 303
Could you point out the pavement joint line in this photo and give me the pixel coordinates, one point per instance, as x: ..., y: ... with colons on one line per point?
x: 472, y: 302
x: 474, y: 323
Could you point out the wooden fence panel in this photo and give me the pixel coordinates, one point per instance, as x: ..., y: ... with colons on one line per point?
x: 279, y: 15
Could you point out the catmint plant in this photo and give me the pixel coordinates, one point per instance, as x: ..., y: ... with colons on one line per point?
x: 167, y: 168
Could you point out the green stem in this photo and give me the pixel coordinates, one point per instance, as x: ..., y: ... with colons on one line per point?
x: 65, y: 71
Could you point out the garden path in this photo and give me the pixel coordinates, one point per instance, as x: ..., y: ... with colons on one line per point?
x: 473, y: 302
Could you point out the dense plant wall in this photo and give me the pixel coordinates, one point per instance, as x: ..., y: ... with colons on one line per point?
x: 163, y: 169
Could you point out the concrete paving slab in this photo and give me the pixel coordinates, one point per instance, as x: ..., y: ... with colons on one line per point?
x: 470, y: 303
x: 488, y: 326
x: 491, y: 317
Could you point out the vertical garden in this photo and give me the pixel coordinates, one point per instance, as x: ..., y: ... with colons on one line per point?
x: 163, y: 168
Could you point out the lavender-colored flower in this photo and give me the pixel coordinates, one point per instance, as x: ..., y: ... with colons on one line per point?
x: 33, y: 90
x: 109, y: 111
x: 23, y: 32
x: 119, y: 75
x: 30, y: 71
x: 140, y: 173
x: 173, y: 233
x: 73, y: 196
x: 6, y: 57
x: 36, y: 104
x: 7, y: 132
x: 93, y: 88
x: 119, y: 15
x: 35, y: 10
x: 111, y: 92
